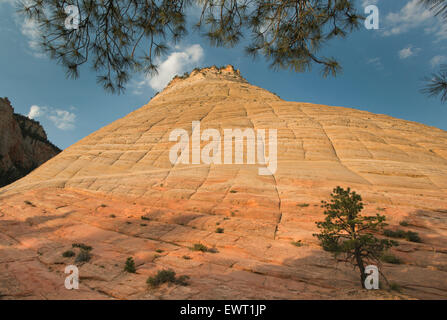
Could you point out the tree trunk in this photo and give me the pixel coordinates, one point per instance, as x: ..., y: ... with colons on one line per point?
x: 361, y: 266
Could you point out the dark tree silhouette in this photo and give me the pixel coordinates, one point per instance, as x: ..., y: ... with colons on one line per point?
x: 436, y: 84
x: 120, y: 37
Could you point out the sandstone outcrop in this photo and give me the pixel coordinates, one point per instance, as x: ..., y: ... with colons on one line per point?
x: 23, y: 144
x: 117, y: 191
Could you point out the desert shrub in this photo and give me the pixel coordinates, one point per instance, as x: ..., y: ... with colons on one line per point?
x: 130, y: 265
x: 390, y: 258
x: 413, y: 236
x: 219, y: 230
x: 303, y: 205
x: 409, y: 235
x: 82, y: 246
x: 143, y: 224
x: 145, y: 218
x: 404, y: 223
x: 297, y: 243
x: 112, y: 216
x: 68, y: 254
x: 83, y: 256
x: 395, y: 234
x: 380, y: 209
x: 233, y: 191
x: 199, y: 247
x: 186, y: 257
x: 159, y: 251
x: 166, y: 276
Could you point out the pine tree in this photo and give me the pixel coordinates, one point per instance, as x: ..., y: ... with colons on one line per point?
x: 348, y: 234
x: 436, y: 84
x: 121, y: 37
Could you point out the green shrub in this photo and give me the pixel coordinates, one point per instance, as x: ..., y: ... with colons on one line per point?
x: 83, y: 256
x: 166, y: 276
x: 145, y: 218
x: 297, y: 243
x: 390, y: 258
x: 409, y: 235
x: 413, y: 237
x: 199, y: 247
x: 233, y: 191
x: 159, y: 251
x: 395, y: 234
x: 130, y: 265
x: 187, y: 257
x: 112, y: 216
x: 380, y: 209
x: 68, y: 254
x: 404, y: 223
x: 82, y: 246
x: 303, y: 205
x: 219, y: 230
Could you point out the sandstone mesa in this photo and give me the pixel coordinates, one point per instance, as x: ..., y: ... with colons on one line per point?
x: 97, y: 190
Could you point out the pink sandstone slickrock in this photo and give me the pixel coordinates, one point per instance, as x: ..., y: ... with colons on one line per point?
x: 97, y: 191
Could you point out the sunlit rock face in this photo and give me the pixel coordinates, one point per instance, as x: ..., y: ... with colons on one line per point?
x: 97, y: 190
x: 23, y: 144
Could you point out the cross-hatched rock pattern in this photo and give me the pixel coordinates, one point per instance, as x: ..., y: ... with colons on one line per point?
x: 123, y: 170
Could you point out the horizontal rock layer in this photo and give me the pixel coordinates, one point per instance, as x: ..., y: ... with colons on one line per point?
x: 97, y: 190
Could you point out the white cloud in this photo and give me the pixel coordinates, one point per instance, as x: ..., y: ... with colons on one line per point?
x: 62, y: 119
x: 35, y: 111
x: 414, y: 15
x: 29, y: 29
x: 175, y: 64
x: 376, y: 62
x: 437, y: 60
x: 408, y: 52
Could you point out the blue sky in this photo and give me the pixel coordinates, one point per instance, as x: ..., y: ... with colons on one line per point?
x: 382, y: 73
